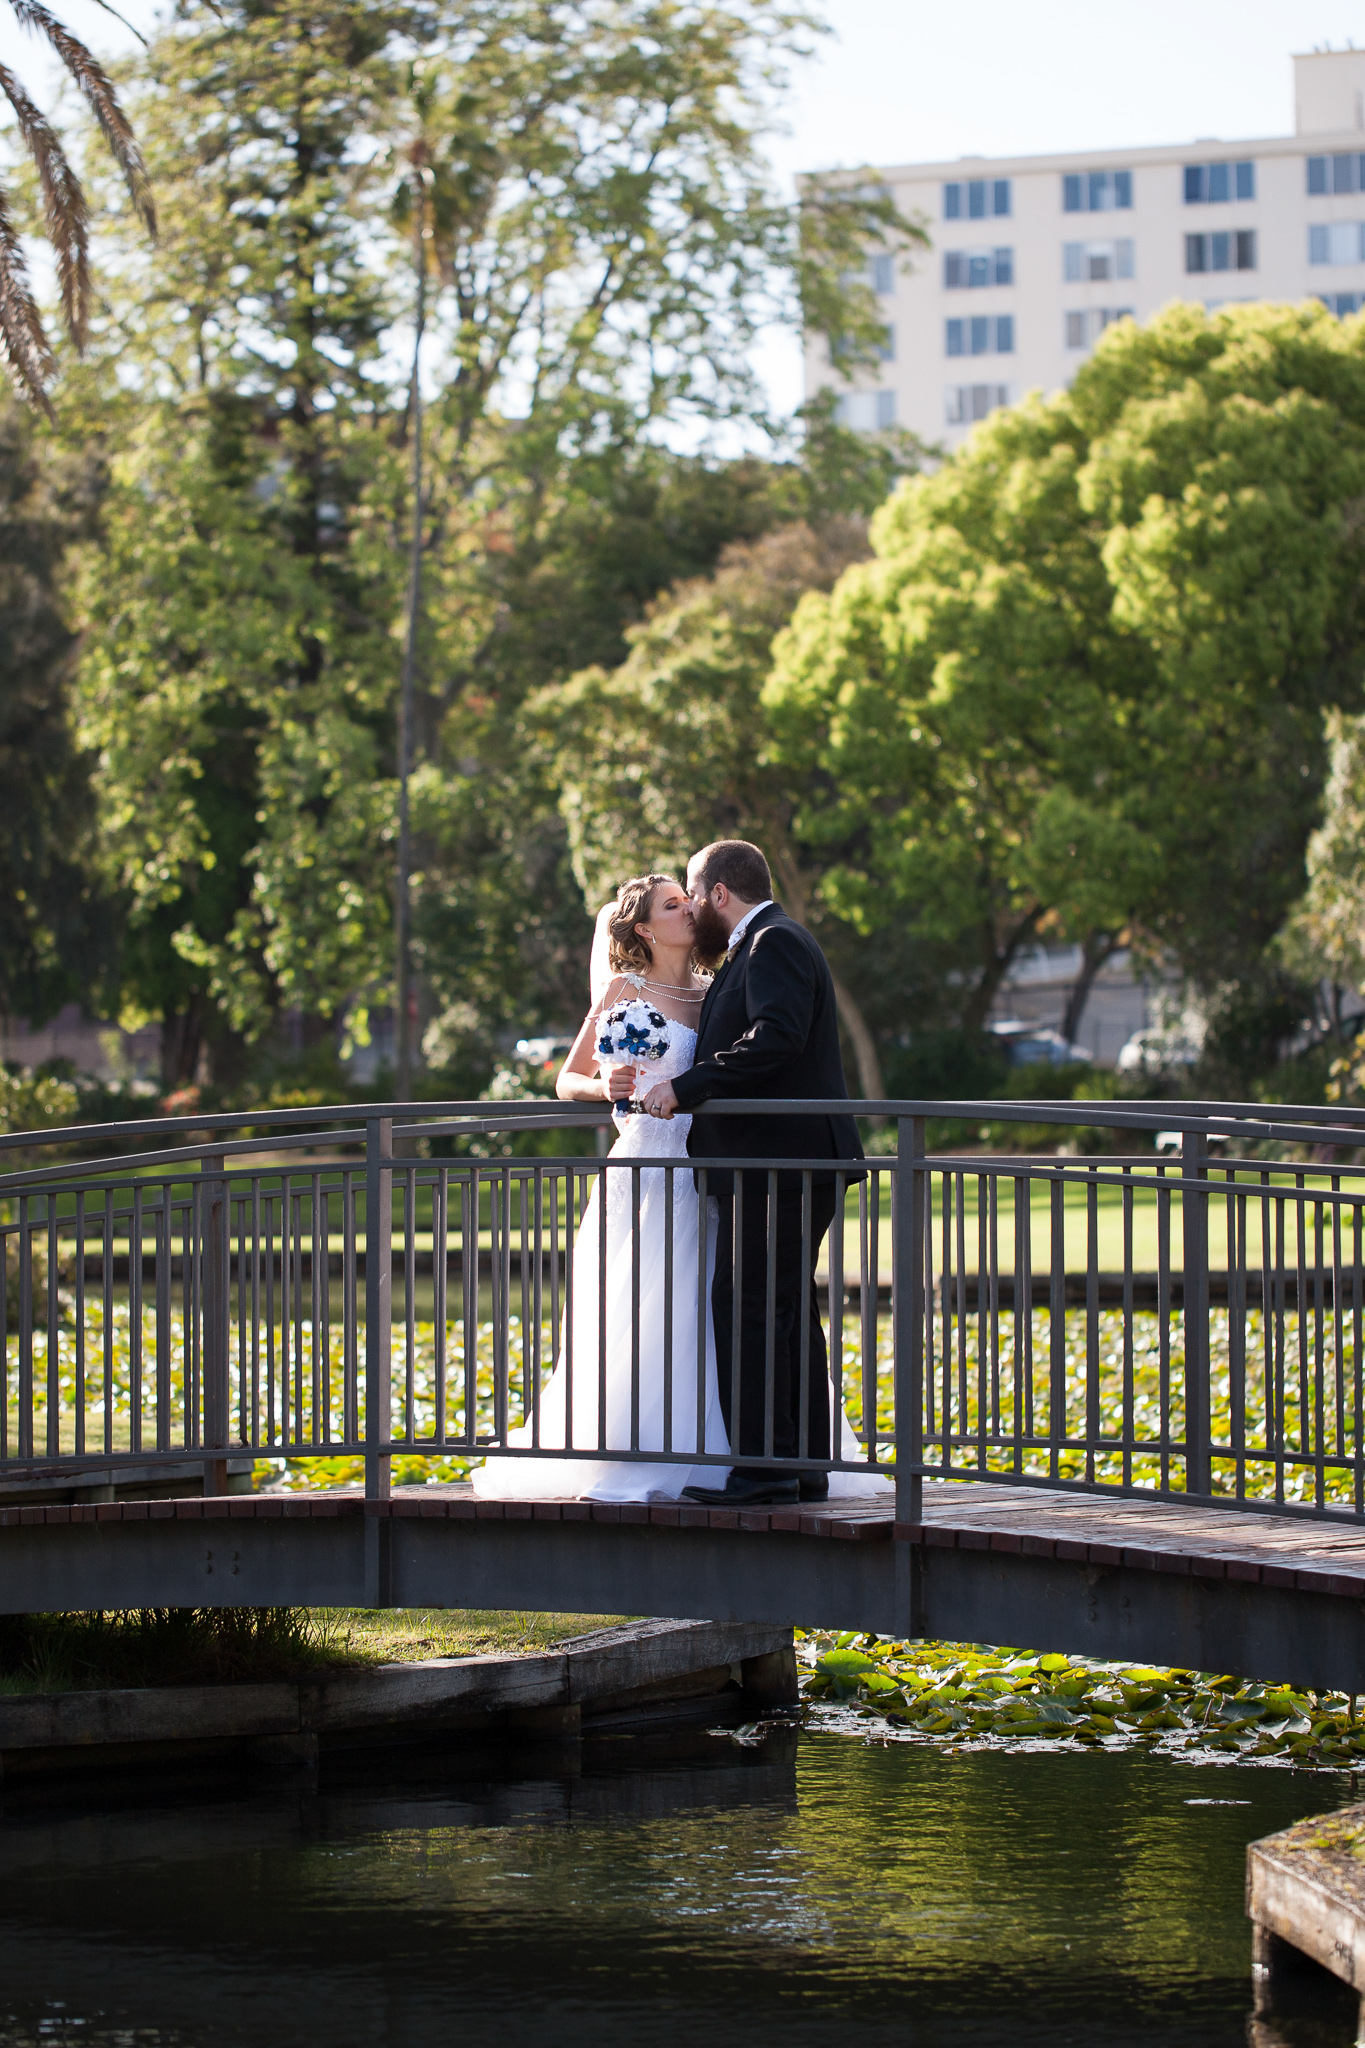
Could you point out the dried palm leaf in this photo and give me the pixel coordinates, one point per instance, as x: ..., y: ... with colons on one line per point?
x: 21, y: 327
x: 94, y: 83
x: 68, y: 221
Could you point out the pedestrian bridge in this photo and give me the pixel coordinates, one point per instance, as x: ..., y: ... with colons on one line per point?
x: 1117, y: 1394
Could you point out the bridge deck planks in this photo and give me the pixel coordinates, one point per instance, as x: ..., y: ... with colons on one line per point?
x: 1161, y: 1535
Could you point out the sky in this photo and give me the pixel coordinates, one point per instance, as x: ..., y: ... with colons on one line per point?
x: 899, y: 81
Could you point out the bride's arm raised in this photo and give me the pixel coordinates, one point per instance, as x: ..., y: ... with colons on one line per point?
x: 578, y: 1079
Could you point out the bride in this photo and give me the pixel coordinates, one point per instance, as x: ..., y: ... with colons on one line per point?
x: 649, y: 955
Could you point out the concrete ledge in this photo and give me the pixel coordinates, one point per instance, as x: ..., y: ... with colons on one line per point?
x: 607, y: 1673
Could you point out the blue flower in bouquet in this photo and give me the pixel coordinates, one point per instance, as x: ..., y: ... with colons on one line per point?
x: 634, y: 1032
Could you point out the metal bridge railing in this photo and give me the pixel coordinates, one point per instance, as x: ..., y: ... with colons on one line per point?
x: 347, y: 1286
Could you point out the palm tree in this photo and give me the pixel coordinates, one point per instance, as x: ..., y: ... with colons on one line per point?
x: 64, y: 203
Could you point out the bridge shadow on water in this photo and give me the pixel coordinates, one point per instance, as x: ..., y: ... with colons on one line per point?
x: 808, y: 1888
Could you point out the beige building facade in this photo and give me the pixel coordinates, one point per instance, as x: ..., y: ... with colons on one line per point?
x: 1033, y: 257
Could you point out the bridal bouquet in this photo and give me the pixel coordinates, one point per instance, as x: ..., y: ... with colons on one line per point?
x: 631, y: 1034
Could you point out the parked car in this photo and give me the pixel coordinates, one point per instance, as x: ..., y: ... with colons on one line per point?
x: 1037, y: 1045
x: 1158, y: 1049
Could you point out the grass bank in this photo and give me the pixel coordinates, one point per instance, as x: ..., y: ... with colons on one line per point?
x: 161, y: 1646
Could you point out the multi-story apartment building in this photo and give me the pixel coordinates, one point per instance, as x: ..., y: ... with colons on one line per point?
x: 1033, y: 257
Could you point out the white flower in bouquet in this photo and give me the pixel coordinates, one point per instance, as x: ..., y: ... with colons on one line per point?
x: 631, y: 1034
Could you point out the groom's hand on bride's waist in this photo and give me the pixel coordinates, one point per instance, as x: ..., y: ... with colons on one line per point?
x: 660, y: 1101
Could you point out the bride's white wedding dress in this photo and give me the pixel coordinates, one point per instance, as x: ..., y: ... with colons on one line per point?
x: 581, y: 1352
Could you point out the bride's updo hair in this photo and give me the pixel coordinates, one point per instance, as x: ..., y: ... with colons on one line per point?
x: 627, y: 952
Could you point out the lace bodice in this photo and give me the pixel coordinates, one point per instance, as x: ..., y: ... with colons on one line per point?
x: 649, y: 1136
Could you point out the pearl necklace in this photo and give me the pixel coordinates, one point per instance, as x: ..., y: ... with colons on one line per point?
x: 666, y: 988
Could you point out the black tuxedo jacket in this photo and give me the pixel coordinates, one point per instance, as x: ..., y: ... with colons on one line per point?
x: 768, y: 1027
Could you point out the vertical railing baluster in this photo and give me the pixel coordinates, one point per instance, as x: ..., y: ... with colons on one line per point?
x: 1338, y: 1329
x: 602, y: 1199
x: 1129, y: 1429
x: 909, y: 1196
x: 736, y: 1314
x: 1056, y: 1415
x: 703, y: 1308
x: 440, y: 1254
x: 410, y: 1302
x: 1194, y: 1213
x: 1301, y: 1304
x: 162, y: 1241
x: 1092, y: 1319
x: 668, y: 1302
x: 54, y: 1330
x: 25, y: 1419
x: 1023, y: 1319
x: 803, y: 1386
x: 378, y: 1303
x: 80, y: 1322
x: 107, y: 1314
x: 1237, y: 1308
x: 1357, y: 1365
x: 770, y: 1320
x: 214, y: 1262
x: 1163, y: 1314
x: 469, y: 1278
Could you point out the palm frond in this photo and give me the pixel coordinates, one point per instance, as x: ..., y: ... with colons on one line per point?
x: 94, y: 83
x: 21, y: 326
x: 124, y: 19
x: 68, y: 220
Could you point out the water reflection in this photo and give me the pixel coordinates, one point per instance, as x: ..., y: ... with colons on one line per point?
x: 719, y: 1896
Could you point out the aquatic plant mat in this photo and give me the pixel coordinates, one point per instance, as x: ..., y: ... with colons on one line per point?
x: 987, y: 1380
x: 167, y: 1646
x: 966, y: 1696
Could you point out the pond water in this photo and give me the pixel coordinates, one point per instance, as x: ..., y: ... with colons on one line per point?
x: 812, y: 1889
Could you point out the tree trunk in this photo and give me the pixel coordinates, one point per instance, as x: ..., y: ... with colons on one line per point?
x: 1098, y: 948
x: 182, y: 1041
x: 792, y: 885
x: 864, y: 1045
x: 998, y: 964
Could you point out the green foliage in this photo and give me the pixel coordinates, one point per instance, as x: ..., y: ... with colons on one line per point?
x: 160, y: 1646
x: 602, y: 245
x: 51, y: 934
x: 973, y: 1695
x: 1079, y: 688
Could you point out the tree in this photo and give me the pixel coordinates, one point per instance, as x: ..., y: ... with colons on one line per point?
x: 1079, y: 688
x: 669, y: 751
x: 66, y: 213
x: 602, y: 249
x: 237, y: 688
x: 50, y: 940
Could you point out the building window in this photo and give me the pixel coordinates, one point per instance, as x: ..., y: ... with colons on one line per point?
x: 977, y: 199
x: 1235, y: 250
x: 1096, y: 262
x: 1084, y: 329
x: 1097, y: 191
x: 986, y: 335
x: 886, y: 348
x: 969, y: 269
x: 882, y: 275
x: 1343, y: 304
x: 1212, y: 184
x: 1335, y: 174
x: 1338, y: 241
x: 867, y: 412
x: 968, y: 402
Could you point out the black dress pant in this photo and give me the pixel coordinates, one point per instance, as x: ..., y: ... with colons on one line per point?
x: 794, y: 1306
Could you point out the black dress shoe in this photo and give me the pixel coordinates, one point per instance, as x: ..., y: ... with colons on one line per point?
x: 746, y: 1490
x: 814, y: 1485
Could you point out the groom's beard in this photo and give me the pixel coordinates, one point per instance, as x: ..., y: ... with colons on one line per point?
x: 710, y: 935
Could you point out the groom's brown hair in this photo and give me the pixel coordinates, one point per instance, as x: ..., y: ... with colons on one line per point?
x: 739, y: 865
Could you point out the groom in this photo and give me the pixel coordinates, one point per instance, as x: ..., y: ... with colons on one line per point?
x: 768, y: 1028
